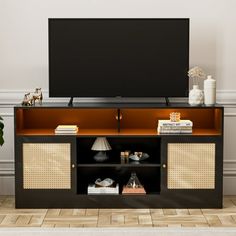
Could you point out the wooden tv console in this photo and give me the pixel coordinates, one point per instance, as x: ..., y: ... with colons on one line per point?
x: 53, y: 171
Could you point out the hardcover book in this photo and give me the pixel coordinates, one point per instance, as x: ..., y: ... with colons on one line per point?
x: 178, y: 123
x: 93, y: 189
x: 66, y: 129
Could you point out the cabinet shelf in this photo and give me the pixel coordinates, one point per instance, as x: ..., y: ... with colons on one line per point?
x: 120, y: 195
x: 119, y: 165
x: 114, y: 132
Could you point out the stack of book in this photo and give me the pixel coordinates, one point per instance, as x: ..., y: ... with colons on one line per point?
x: 170, y: 127
x: 93, y: 189
x: 66, y: 129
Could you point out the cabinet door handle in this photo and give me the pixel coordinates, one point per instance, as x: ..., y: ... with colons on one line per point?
x: 164, y: 165
x: 73, y: 166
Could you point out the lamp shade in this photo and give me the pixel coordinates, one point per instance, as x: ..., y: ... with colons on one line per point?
x: 101, y: 144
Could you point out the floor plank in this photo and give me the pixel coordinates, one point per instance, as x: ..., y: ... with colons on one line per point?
x: 11, y: 217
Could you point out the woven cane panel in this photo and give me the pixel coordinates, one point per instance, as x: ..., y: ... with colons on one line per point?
x: 191, y: 166
x: 46, y: 166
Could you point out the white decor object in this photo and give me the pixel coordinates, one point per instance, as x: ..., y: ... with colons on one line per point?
x: 196, y: 96
x: 196, y: 73
x: 136, y: 157
x: 104, y: 183
x: 92, y: 189
x: 209, y: 91
x: 101, y: 144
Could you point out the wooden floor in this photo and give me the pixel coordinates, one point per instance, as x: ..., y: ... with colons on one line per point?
x: 11, y: 217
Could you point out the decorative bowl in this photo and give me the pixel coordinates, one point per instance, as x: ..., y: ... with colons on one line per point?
x: 104, y: 183
x: 135, y: 157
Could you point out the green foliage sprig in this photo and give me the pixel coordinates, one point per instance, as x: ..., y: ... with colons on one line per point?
x: 1, y: 131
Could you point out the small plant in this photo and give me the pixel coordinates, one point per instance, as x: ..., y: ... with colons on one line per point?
x: 1, y: 131
x: 196, y: 73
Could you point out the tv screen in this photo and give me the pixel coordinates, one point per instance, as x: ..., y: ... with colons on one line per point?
x: 118, y: 57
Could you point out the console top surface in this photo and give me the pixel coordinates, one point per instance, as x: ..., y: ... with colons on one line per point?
x: 117, y: 105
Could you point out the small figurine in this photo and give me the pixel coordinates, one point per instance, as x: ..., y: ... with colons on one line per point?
x: 30, y: 98
x: 38, y: 95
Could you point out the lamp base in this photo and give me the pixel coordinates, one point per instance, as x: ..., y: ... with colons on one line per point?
x: 100, y: 156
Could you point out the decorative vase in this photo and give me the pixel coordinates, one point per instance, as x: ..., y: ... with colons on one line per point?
x: 209, y: 91
x: 196, y: 96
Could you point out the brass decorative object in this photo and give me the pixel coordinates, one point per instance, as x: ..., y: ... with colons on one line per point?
x: 30, y: 98
x: 175, y: 116
x: 124, y: 156
x: 38, y: 95
x: 133, y: 186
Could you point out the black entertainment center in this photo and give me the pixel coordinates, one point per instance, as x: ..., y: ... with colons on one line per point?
x: 108, y: 58
x: 192, y: 179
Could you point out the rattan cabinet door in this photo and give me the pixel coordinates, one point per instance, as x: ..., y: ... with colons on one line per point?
x: 191, y: 166
x: 191, y: 163
x: 46, y: 163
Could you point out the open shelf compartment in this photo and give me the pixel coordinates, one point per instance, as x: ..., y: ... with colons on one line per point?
x: 149, y: 177
x: 149, y: 145
x: 103, y: 121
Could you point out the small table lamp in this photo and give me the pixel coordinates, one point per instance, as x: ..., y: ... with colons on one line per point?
x: 101, y: 144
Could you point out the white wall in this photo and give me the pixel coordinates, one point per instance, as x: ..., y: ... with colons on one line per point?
x: 24, y: 54
x: 23, y: 31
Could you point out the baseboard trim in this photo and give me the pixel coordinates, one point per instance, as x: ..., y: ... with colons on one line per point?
x: 7, y: 171
x: 229, y: 172
x: 7, y: 114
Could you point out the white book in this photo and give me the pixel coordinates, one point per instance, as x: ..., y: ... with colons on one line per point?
x: 176, y: 132
x: 175, y: 127
x: 66, y: 131
x: 171, y: 123
x: 103, y: 190
x: 67, y: 127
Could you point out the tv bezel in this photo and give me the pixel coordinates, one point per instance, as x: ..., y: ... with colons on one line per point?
x: 169, y: 95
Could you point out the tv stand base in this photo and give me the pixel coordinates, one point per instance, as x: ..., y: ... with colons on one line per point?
x: 167, y: 101
x: 70, y: 104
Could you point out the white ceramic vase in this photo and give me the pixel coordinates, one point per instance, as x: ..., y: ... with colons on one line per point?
x: 209, y: 91
x: 196, y: 96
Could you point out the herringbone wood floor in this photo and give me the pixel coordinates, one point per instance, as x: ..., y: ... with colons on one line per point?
x: 11, y: 217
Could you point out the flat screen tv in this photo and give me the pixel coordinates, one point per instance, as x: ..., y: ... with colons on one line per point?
x: 118, y: 57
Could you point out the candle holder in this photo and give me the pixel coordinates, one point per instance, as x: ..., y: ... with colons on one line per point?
x: 175, y: 116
